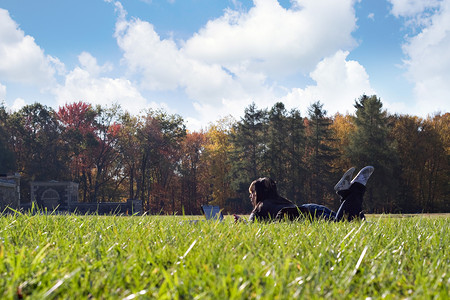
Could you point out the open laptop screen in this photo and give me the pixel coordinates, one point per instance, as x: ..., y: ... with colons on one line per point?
x: 212, y: 212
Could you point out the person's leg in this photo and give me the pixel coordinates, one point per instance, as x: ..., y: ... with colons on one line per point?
x: 311, y: 211
x: 343, y: 194
x: 351, y: 205
x: 352, y: 198
x: 317, y: 211
x: 343, y: 185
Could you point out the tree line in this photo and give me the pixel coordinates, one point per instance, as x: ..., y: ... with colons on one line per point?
x: 115, y: 156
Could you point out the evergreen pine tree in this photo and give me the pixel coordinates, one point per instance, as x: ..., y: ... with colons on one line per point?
x: 369, y: 145
x: 275, y: 158
x: 249, y: 144
x: 320, y: 155
x: 296, y: 169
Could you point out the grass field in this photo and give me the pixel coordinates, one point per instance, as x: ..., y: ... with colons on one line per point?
x: 103, y: 257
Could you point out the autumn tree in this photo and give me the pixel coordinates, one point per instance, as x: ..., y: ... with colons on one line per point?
x: 106, y: 159
x: 440, y: 177
x: 194, y: 186
x: 91, y: 137
x: 217, y: 156
x: 410, y: 148
x: 7, y: 156
x: 161, y: 137
x: 114, y: 155
x: 35, y: 140
x: 35, y: 131
x: 130, y: 148
x: 78, y: 134
x: 423, y: 162
x: 433, y: 189
x: 342, y: 128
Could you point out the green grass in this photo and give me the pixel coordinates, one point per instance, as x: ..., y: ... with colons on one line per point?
x: 102, y: 257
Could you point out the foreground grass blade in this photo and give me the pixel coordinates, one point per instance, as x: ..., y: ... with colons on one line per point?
x: 141, y: 257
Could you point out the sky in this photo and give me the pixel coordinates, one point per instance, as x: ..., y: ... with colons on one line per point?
x: 208, y: 59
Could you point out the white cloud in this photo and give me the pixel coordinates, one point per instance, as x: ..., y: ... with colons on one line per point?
x: 371, y: 16
x: 274, y: 40
x: 2, y: 92
x: 18, y: 104
x: 89, y: 63
x: 411, y: 8
x: 241, y: 57
x: 427, y: 55
x: 158, y: 61
x: 22, y: 60
x: 163, y: 66
x: 84, y: 83
x: 338, y: 83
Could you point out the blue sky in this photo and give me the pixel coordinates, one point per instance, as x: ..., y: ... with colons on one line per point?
x: 207, y: 59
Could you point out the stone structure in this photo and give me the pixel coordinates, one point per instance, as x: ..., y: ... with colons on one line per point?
x: 9, y: 191
x: 63, y: 197
x: 53, y: 195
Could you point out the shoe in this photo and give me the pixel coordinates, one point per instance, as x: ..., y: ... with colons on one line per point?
x: 363, y: 175
x: 344, y: 182
x: 362, y: 216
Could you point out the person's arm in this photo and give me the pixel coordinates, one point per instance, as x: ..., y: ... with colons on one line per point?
x: 251, y: 219
x: 255, y: 214
x: 239, y: 219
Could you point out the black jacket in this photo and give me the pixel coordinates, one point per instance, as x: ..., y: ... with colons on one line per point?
x: 269, y: 208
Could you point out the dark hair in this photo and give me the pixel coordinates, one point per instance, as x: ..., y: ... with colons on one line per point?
x: 266, y: 188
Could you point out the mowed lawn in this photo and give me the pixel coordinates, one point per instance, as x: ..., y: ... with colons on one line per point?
x: 146, y: 257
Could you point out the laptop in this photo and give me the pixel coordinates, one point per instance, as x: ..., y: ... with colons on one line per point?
x: 212, y: 212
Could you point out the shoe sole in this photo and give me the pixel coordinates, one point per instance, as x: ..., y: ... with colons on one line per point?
x: 347, y: 174
x: 362, y: 172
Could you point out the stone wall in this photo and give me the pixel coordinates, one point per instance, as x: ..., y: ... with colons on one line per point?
x: 130, y: 207
x: 9, y: 191
x: 55, y: 196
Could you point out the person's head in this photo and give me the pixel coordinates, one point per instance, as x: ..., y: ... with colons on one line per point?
x: 261, y: 189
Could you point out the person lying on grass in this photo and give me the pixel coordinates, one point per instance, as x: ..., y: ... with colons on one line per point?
x: 269, y: 205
